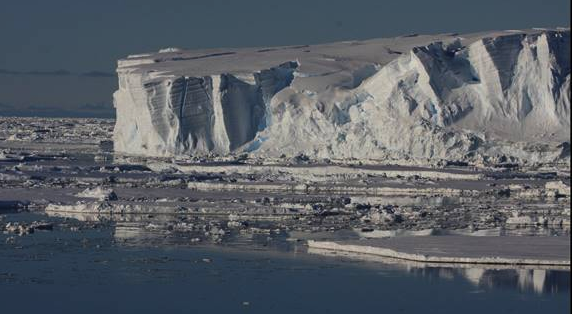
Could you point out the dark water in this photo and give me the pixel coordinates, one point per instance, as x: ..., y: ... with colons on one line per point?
x: 96, y: 271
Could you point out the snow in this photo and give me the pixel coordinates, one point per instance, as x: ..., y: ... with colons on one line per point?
x: 475, y: 97
x: 460, y: 249
x: 99, y: 193
x: 558, y: 188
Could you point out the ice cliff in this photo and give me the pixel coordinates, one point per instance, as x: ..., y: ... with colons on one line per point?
x: 166, y: 115
x: 496, y: 96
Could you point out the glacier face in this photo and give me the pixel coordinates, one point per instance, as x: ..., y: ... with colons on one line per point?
x: 477, y: 97
x: 172, y: 115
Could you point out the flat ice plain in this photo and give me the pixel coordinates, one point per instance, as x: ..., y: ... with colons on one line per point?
x: 227, y: 163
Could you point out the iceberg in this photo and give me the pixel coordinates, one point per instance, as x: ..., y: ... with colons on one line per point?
x: 486, y: 97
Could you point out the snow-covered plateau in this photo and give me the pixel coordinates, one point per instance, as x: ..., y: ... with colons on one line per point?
x: 490, y: 97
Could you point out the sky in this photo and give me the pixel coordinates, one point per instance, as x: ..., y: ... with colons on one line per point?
x: 58, y: 57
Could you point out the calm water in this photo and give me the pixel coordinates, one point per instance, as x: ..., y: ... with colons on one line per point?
x: 97, y: 271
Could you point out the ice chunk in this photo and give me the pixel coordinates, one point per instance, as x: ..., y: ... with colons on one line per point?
x: 98, y: 193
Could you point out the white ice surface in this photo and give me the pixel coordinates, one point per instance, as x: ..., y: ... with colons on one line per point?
x: 475, y: 97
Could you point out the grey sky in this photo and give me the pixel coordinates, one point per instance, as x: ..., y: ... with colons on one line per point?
x: 78, y: 37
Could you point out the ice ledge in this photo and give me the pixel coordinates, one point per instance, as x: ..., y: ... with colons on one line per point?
x: 547, y: 251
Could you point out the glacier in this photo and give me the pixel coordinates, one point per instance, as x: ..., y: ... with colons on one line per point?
x: 489, y: 97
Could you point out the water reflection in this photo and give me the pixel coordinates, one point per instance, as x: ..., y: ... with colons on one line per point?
x: 258, y: 232
x: 537, y: 279
x: 526, y: 280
